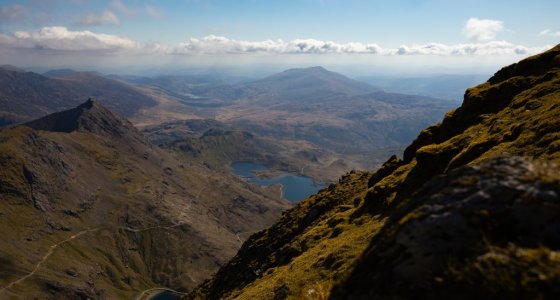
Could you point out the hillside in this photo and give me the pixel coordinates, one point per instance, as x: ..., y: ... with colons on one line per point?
x: 27, y: 95
x: 471, y: 211
x: 91, y: 209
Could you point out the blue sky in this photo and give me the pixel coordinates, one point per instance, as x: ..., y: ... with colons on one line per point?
x: 458, y: 35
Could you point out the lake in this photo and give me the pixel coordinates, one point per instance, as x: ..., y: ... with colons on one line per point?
x: 294, y: 187
x: 165, y: 295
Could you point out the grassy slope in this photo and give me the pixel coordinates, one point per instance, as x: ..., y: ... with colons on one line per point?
x: 318, y: 243
x: 141, y: 203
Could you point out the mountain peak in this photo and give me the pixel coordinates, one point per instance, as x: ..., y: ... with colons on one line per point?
x: 89, y: 116
x: 88, y: 104
x: 309, y: 69
x: 314, y: 82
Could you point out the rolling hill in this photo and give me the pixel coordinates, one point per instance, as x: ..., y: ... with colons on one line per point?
x: 471, y: 211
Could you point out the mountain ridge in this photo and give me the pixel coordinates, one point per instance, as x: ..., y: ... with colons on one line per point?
x: 93, y: 214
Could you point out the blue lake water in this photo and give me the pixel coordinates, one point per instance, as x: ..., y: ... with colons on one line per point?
x: 295, y: 188
x: 165, y: 295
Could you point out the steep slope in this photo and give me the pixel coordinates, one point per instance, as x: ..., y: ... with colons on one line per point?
x: 470, y: 212
x: 26, y: 95
x: 90, y: 209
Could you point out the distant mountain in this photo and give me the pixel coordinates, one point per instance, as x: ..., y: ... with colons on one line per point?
x: 338, y: 123
x: 471, y: 211
x: 27, y: 95
x: 305, y: 84
x: 91, y: 209
x: 330, y: 110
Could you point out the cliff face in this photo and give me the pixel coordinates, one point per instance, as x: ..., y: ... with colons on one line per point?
x: 471, y: 211
x: 90, y: 209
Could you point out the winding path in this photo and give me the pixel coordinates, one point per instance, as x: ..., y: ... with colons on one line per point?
x: 46, y: 256
x: 150, y: 228
x: 55, y: 246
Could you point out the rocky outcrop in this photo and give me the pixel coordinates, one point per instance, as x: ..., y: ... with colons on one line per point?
x: 488, y: 231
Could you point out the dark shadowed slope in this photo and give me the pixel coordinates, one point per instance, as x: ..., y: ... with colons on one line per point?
x: 470, y: 212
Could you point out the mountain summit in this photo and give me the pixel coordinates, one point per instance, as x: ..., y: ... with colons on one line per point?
x: 309, y: 83
x: 90, y: 116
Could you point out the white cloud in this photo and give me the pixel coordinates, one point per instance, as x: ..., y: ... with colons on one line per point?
x: 548, y: 32
x: 153, y: 12
x: 218, y: 44
x: 482, y: 29
x: 62, y: 39
x: 472, y: 49
x: 11, y: 13
x: 221, y: 45
x: 106, y: 17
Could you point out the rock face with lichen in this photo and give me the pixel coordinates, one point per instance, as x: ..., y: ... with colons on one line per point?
x: 484, y: 231
x: 471, y: 211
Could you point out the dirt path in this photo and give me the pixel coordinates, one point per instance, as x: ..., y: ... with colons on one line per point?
x: 55, y: 246
x: 76, y: 235
x: 150, y: 228
x: 46, y: 256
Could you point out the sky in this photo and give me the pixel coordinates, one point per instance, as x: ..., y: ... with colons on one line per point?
x: 377, y: 37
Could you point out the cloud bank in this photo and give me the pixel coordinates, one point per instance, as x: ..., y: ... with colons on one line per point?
x: 60, y: 38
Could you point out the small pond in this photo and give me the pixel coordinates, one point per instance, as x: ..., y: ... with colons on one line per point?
x: 294, y: 187
x: 165, y: 295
